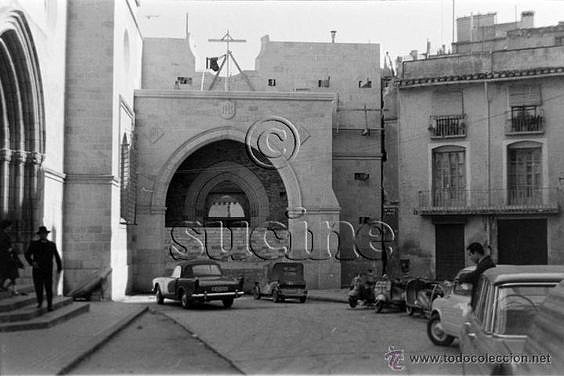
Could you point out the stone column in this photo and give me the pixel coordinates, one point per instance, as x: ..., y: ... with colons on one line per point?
x: 5, y: 159
x: 30, y: 203
x: 17, y: 189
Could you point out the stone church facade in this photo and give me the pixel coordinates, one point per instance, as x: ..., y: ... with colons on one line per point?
x: 131, y: 156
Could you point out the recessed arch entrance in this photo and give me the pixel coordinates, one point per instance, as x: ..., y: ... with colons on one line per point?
x: 168, y: 170
x: 22, y: 131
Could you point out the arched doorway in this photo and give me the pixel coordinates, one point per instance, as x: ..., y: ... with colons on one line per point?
x: 22, y: 139
x: 219, y: 169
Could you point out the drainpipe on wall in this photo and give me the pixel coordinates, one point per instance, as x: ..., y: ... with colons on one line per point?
x: 488, y: 158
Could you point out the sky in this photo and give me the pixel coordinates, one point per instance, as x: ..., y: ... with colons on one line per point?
x: 399, y: 26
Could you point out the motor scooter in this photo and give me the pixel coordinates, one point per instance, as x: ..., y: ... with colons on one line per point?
x: 389, y: 293
x: 361, y: 290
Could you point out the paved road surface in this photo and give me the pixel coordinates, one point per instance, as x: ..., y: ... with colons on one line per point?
x: 154, y: 344
x: 312, y: 338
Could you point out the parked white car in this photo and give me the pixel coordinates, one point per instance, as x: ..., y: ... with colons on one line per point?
x: 447, y: 313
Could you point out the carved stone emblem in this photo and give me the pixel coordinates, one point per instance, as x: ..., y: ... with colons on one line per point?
x: 227, y: 109
x: 155, y: 134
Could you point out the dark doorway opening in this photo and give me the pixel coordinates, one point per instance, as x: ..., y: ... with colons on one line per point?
x: 449, y: 250
x: 522, y: 241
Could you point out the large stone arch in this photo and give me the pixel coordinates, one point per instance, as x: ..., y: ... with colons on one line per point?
x: 164, y: 177
x: 22, y: 127
x: 228, y: 171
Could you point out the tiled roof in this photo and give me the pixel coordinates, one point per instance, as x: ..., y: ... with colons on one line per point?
x: 411, y: 82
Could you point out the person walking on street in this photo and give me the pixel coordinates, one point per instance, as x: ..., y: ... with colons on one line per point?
x: 5, y: 250
x: 40, y: 256
x: 483, y: 262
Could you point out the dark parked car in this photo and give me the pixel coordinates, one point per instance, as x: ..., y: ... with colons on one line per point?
x: 508, y: 300
x: 284, y: 280
x: 197, y: 281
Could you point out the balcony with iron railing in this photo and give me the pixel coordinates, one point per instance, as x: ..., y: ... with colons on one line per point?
x: 518, y: 200
x: 527, y: 121
x: 447, y: 126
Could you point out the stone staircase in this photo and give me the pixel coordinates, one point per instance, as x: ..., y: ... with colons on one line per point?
x: 20, y: 313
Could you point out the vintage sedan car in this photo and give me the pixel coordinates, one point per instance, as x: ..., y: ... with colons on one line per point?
x: 508, y: 298
x: 197, y: 281
x: 447, y: 312
x: 284, y: 280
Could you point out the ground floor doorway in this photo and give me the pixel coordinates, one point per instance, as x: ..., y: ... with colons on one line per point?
x: 522, y: 241
x: 449, y: 250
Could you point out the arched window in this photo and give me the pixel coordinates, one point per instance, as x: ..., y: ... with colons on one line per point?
x: 128, y: 181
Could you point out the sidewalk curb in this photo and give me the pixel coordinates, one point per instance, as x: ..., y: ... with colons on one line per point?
x: 69, y: 362
x: 209, y: 346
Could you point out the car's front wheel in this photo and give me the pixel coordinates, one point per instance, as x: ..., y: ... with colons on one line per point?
x: 228, y: 302
x: 275, y: 296
x: 436, y: 332
x: 185, y: 300
x: 303, y: 299
x: 159, y: 296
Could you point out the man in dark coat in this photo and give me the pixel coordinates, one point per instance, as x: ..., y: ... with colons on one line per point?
x: 483, y: 262
x: 40, y: 256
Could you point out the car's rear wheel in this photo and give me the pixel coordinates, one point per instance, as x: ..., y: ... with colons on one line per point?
x: 379, y: 306
x: 185, y: 300
x: 256, y: 292
x: 436, y: 332
x: 159, y: 296
x: 353, y: 301
x: 409, y: 310
x: 228, y: 302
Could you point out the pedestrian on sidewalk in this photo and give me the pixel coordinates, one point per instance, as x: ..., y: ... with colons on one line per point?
x: 40, y: 256
x: 13, y: 264
x: 5, y: 249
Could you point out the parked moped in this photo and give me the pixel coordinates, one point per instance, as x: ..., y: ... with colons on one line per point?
x: 389, y: 293
x: 361, y: 290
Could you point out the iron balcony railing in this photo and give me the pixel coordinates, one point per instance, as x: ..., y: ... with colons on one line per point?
x: 522, y: 199
x: 447, y: 126
x: 526, y: 124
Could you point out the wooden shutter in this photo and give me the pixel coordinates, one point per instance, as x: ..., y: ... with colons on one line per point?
x: 524, y: 95
x: 448, y: 102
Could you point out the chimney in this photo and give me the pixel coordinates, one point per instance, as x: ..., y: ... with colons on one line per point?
x: 414, y: 54
x: 428, y: 48
x: 527, y: 19
x: 333, y: 33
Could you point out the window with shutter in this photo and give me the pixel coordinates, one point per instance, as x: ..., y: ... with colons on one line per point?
x: 524, y: 174
x: 526, y: 113
x: 447, y: 118
x: 449, y: 176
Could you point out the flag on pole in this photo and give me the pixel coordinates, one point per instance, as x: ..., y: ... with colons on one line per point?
x: 211, y: 63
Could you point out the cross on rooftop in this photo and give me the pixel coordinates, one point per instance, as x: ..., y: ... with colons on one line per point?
x: 227, y: 38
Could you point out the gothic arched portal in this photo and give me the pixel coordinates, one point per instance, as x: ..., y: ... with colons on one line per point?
x: 22, y: 139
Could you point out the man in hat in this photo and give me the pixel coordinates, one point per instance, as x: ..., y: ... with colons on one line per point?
x: 40, y: 256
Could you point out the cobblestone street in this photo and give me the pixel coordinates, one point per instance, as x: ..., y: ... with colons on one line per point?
x: 260, y: 337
